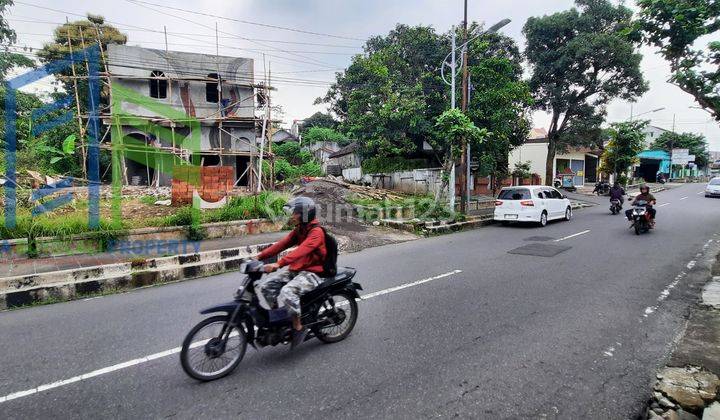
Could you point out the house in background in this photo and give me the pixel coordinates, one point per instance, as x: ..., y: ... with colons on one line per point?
x: 216, y: 92
x: 344, y: 159
x: 322, y: 151
x: 283, y: 136
x: 652, y: 133
x: 582, y: 162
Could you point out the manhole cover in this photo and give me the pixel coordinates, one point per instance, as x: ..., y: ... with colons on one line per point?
x: 539, y: 250
x: 539, y: 239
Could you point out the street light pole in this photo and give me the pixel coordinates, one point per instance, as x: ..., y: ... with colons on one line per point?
x: 464, y: 154
x: 453, y: 68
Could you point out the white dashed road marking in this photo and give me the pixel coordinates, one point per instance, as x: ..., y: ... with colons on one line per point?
x: 684, y: 198
x: 176, y: 350
x: 663, y: 205
x: 574, y: 235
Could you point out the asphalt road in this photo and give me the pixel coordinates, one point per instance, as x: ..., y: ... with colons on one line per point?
x: 577, y: 335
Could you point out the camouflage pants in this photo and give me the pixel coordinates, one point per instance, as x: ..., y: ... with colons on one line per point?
x: 283, y: 288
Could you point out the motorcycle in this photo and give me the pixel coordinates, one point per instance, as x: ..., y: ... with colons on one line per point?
x: 615, y: 206
x: 602, y: 188
x: 217, y: 345
x: 641, y: 220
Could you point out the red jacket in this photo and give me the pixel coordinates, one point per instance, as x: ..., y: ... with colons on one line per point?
x: 309, y: 254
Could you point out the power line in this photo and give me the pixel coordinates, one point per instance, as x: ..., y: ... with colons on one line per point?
x: 227, y: 33
x: 304, y: 61
x: 248, y: 22
x: 136, y: 29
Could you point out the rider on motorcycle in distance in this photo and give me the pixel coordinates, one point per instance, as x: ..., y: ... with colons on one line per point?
x: 297, y: 272
x: 648, y: 198
x: 617, y: 193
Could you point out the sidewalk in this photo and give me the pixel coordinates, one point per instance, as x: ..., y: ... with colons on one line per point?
x: 23, y: 267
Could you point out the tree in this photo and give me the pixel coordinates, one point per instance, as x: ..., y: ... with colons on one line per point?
x: 389, y: 97
x: 452, y: 128
x: 320, y: 134
x: 674, y: 26
x: 74, y: 36
x: 580, y: 61
x: 8, y: 59
x: 319, y: 120
x: 696, y: 143
x: 626, y: 141
x: 499, y: 100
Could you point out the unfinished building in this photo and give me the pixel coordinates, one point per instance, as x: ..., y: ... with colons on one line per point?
x: 217, y: 93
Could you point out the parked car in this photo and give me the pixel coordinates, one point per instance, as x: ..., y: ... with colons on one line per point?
x: 713, y: 188
x: 534, y: 204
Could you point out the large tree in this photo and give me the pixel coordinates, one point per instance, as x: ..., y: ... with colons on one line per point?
x: 676, y: 27
x: 696, y: 143
x: 73, y: 36
x: 389, y: 97
x: 9, y: 59
x: 499, y: 101
x: 581, y: 59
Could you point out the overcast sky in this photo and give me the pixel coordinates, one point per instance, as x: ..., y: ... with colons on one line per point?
x: 302, y: 71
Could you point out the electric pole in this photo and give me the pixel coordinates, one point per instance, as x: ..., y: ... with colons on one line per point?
x: 464, y: 154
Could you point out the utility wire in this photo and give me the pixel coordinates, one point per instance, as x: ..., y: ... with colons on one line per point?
x: 130, y: 28
x: 248, y: 22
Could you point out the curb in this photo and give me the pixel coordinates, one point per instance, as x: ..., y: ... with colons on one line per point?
x: 73, y: 284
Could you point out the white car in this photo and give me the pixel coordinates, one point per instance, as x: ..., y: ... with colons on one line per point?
x: 713, y: 188
x: 532, y: 203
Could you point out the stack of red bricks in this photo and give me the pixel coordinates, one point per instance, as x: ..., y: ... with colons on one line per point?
x: 212, y: 183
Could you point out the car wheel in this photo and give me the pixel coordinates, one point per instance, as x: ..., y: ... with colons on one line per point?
x: 543, y: 219
x: 568, y: 214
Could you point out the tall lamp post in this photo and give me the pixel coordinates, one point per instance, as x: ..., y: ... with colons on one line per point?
x: 452, y: 65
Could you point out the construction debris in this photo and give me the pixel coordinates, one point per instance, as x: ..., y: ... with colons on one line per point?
x: 361, y: 190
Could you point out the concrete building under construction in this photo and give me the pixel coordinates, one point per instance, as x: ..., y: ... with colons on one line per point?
x: 218, y: 93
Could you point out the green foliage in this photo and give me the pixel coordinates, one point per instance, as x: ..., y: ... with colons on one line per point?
x: 293, y: 153
x: 674, y: 26
x: 9, y: 60
x: 389, y: 97
x: 626, y: 141
x: 499, y: 100
x: 452, y: 128
x: 382, y: 165
x: 522, y: 170
x: 52, y: 226
x: 696, y: 143
x: 320, y: 134
x: 319, y: 120
x: 267, y: 205
x: 580, y: 61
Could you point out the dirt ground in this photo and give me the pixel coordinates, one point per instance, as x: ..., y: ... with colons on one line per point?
x: 337, y: 215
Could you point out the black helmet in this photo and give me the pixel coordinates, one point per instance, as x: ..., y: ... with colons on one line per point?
x: 303, y: 206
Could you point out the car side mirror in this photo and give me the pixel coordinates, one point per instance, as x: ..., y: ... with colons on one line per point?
x: 564, y: 196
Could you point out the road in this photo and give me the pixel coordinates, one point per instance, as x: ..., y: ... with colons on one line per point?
x: 488, y: 335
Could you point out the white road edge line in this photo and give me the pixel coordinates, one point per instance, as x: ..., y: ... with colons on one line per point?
x: 574, y: 235
x: 176, y: 350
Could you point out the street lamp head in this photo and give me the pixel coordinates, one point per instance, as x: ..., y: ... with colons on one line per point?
x: 496, y: 27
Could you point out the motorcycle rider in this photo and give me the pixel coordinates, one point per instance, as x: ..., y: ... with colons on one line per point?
x: 297, y: 272
x: 617, y: 192
x: 648, y: 198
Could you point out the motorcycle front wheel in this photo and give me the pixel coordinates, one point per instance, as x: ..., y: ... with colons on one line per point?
x: 212, y: 349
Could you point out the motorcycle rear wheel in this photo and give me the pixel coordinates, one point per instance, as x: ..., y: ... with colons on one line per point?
x: 205, y: 357
x: 339, y: 305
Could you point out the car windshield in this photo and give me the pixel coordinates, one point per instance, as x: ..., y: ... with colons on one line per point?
x: 715, y: 181
x: 515, y: 194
